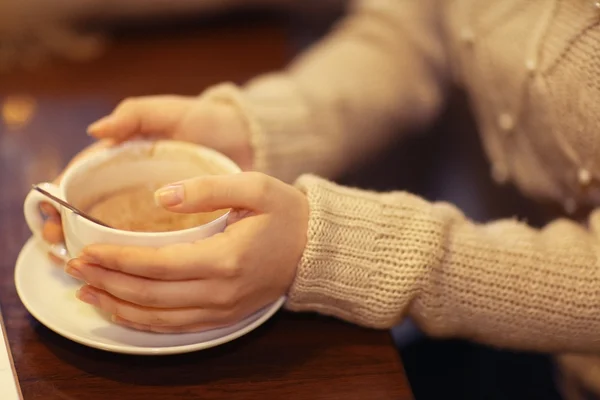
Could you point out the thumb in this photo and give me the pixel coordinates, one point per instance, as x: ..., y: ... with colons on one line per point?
x: 153, y: 116
x: 246, y: 190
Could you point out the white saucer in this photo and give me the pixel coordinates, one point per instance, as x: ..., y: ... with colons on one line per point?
x: 49, y: 295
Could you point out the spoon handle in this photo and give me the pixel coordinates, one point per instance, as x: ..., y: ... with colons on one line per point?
x: 70, y: 207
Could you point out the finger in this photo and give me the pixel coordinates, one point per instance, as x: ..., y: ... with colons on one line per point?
x: 201, y: 260
x: 246, y: 190
x: 52, y: 232
x: 49, y: 211
x: 154, y: 293
x: 146, y: 116
x: 151, y: 316
x: 202, y: 327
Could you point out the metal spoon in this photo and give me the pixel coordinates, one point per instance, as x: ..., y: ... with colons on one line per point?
x: 70, y: 207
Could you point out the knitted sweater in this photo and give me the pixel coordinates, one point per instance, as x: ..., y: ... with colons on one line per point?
x: 532, y: 71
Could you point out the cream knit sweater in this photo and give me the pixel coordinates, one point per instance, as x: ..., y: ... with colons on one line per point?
x: 532, y: 69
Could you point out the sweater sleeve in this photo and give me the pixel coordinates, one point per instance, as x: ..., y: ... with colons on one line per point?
x: 373, y: 259
x: 381, y: 70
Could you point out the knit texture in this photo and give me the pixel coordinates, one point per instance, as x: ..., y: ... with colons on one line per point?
x: 374, y: 258
x: 532, y: 71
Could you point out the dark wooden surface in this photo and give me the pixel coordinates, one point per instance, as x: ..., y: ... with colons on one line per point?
x: 291, y: 357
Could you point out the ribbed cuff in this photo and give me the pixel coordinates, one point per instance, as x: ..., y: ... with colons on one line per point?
x: 352, y: 266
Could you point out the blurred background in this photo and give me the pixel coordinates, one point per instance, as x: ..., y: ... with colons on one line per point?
x: 65, y: 63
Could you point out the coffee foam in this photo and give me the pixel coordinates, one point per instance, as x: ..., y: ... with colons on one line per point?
x: 134, y: 209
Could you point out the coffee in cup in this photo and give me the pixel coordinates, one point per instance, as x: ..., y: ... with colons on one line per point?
x: 134, y: 209
x: 117, y: 187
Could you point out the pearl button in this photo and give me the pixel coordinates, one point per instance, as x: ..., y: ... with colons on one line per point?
x: 531, y: 66
x: 467, y: 36
x: 584, y: 177
x: 499, y: 173
x: 570, y: 206
x: 506, y: 122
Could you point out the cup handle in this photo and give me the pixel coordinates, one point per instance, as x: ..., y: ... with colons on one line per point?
x: 35, y: 221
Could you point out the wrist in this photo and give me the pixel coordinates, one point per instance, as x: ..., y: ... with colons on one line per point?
x: 231, y: 130
x: 235, y: 128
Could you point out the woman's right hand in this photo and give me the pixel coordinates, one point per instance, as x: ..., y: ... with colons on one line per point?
x: 213, y: 124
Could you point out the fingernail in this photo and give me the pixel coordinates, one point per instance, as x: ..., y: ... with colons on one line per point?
x: 99, y: 125
x: 73, y: 267
x: 87, y: 297
x: 74, y: 272
x: 169, y: 196
x: 49, y: 212
x: 44, y: 215
x: 119, y: 320
x: 123, y: 322
x: 87, y: 257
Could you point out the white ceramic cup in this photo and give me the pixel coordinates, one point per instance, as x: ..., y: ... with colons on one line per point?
x: 130, y: 164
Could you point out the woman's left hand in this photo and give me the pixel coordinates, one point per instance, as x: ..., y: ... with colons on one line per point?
x: 210, y: 283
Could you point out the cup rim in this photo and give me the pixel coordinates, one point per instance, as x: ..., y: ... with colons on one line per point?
x: 101, y: 156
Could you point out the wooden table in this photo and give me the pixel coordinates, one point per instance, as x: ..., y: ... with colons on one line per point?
x: 291, y: 357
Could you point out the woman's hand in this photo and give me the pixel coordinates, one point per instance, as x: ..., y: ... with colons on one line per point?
x: 210, y: 283
x: 209, y: 123
x: 212, y: 124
